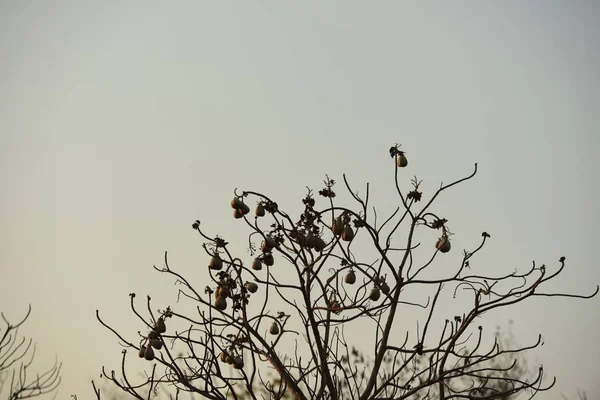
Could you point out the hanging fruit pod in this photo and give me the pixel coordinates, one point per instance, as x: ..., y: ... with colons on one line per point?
x: 268, y: 259
x: 154, y: 334
x: 401, y: 160
x: 385, y: 288
x: 268, y: 244
x: 350, y: 277
x: 225, y: 292
x: 251, y: 286
x: 260, y: 211
x: 443, y: 244
x: 257, y: 264
x: 265, y: 247
x: 244, y: 208
x: 348, y: 233
x: 225, y: 358
x: 220, y: 303
x: 237, y: 213
x: 149, y: 353
x: 293, y: 234
x: 216, y: 263
x: 160, y: 326
x: 221, y: 291
x: 320, y: 244
x: 274, y: 329
x: 310, y: 240
x: 238, y: 363
x: 236, y: 203
x: 142, y: 351
x: 156, y: 343
x: 338, y: 226
x: 375, y: 294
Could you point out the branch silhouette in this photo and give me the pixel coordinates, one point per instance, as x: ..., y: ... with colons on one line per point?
x: 276, y: 324
x: 17, y: 354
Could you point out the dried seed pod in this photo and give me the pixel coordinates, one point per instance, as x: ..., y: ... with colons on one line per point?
x: 238, y: 363
x: 268, y: 259
x: 216, y: 263
x: 160, y: 325
x: 375, y: 294
x: 267, y: 244
x: 149, y: 353
x: 221, y: 291
x: 348, y: 233
x: 320, y: 244
x: 274, y: 329
x: 257, y: 264
x: 223, y: 357
x: 236, y: 203
x: 260, y: 211
x: 338, y: 226
x: 310, y: 240
x: 244, y: 208
x: 350, y: 278
x: 153, y: 334
x: 402, y: 161
x: 293, y: 234
x: 156, y: 343
x: 443, y: 244
x: 220, y: 303
x: 385, y: 288
x: 237, y: 213
x: 142, y: 351
x: 251, y: 286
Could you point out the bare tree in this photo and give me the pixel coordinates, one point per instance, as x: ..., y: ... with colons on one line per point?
x: 322, y: 293
x: 16, y: 358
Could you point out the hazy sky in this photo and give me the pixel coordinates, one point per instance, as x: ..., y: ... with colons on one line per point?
x: 122, y: 122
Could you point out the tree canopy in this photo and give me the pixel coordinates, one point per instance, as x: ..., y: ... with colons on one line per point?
x: 316, y: 308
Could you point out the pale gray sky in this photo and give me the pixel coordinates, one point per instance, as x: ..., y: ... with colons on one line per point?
x: 122, y: 122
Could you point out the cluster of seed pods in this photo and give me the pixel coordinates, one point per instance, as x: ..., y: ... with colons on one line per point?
x: 153, y: 340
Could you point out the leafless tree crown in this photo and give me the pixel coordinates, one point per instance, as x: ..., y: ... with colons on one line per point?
x: 17, y: 353
x: 289, y: 319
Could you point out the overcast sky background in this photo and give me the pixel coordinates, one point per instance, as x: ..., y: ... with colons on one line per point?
x: 122, y: 122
